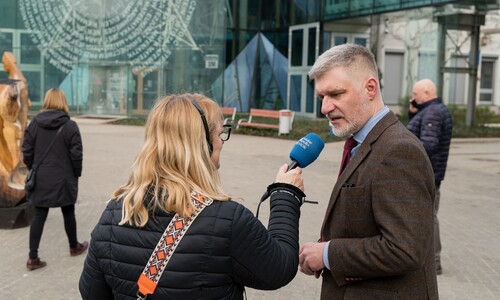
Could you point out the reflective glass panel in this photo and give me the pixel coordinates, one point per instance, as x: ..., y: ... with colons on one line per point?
x: 297, y: 47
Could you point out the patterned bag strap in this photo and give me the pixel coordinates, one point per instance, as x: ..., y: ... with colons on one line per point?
x: 166, y: 246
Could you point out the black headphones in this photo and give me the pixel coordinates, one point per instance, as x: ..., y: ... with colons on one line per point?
x: 205, y: 125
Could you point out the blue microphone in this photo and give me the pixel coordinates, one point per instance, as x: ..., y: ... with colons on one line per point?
x: 306, y: 150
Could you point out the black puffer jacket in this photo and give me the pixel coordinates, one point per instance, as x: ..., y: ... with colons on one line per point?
x: 57, y: 176
x: 433, y: 125
x: 225, y: 249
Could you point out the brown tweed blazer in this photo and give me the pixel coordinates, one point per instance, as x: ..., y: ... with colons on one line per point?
x: 380, y: 221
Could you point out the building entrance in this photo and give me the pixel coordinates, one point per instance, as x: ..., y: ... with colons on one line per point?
x: 303, y: 47
x: 108, y: 90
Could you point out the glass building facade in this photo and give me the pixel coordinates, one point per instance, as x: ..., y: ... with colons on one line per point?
x: 116, y: 57
x: 257, y: 51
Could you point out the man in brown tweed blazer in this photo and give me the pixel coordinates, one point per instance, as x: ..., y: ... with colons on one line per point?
x: 376, y: 239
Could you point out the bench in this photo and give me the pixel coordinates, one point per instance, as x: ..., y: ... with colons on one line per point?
x: 266, y: 113
x: 228, y: 111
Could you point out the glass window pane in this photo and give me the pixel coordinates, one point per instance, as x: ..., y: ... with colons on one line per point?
x: 251, y: 11
x: 29, y: 52
x: 360, y: 41
x: 485, y: 97
x: 297, y: 43
x: 97, y: 89
x: 340, y: 40
x: 11, y: 16
x: 295, y: 92
x: 5, y: 42
x: 310, y: 97
x: 134, y: 88
x: 34, y: 84
x: 487, y: 69
x: 487, y: 75
x: 54, y: 77
x: 150, y: 90
x: 311, y: 47
x: 326, y: 38
x: 116, y: 90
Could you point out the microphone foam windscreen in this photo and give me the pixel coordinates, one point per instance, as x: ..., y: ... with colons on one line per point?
x: 307, y: 149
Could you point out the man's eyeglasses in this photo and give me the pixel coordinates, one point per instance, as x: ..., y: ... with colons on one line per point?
x: 225, y: 133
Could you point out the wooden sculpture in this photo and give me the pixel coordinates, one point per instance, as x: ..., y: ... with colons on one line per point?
x: 14, y: 106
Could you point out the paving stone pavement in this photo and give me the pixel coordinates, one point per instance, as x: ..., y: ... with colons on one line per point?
x: 469, y: 212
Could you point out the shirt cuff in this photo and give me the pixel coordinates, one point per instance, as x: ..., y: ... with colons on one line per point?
x: 325, y: 255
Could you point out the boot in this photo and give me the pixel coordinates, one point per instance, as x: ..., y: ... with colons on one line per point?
x: 439, y: 270
x: 34, y: 264
x: 79, y: 249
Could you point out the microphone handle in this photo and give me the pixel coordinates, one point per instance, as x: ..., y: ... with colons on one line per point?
x: 292, y: 165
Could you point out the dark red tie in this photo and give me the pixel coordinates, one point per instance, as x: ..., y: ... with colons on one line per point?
x: 350, y: 143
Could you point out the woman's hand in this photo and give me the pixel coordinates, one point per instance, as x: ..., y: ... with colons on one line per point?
x: 292, y: 177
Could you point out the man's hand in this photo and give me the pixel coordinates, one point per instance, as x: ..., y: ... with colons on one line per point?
x: 311, y: 259
x: 412, y: 107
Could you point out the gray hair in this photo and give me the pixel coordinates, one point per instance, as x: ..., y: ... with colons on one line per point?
x: 350, y: 56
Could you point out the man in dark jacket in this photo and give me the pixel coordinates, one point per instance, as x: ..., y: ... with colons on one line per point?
x: 431, y: 122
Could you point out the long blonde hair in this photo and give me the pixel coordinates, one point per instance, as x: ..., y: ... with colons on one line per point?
x: 174, y: 160
x: 55, y: 99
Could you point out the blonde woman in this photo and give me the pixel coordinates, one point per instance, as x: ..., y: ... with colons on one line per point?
x: 57, y: 175
x: 225, y: 249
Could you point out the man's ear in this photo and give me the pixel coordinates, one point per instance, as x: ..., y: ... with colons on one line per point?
x: 371, y: 87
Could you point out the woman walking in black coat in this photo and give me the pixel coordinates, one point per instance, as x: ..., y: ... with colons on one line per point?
x: 57, y: 175
x: 226, y: 247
